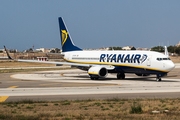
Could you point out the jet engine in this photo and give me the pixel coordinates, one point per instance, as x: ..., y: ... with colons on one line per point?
x: 97, y: 72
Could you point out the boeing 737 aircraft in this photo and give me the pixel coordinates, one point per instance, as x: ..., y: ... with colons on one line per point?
x: 99, y: 63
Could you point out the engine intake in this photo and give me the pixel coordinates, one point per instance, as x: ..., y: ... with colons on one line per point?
x: 97, y: 71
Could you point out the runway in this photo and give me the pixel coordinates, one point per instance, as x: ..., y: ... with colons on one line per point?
x: 75, y: 84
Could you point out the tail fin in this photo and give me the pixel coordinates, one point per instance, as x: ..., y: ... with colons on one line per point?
x: 66, y: 41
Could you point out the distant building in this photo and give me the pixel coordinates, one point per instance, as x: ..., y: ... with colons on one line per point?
x: 42, y: 50
x: 178, y: 44
x: 42, y: 58
x: 103, y: 48
x: 127, y: 48
x: 46, y: 50
x: 145, y: 49
x: 13, y: 51
x: 100, y: 49
x: 10, y: 50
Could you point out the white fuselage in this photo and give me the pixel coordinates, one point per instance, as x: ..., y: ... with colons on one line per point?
x: 132, y: 59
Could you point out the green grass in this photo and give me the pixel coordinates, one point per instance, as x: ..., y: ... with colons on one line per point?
x: 45, y: 104
x: 56, y: 104
x: 25, y: 101
x: 59, y: 115
x: 111, y: 106
x: 98, y: 104
x: 66, y: 103
x: 29, y: 107
x: 136, y: 108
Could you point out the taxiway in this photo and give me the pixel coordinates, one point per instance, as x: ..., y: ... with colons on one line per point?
x: 75, y: 84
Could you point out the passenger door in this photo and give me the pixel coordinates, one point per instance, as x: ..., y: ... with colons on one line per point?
x: 149, y: 61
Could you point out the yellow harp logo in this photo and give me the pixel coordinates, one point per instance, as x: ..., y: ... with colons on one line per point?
x: 64, y: 36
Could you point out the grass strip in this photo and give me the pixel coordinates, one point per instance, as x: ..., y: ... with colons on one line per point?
x: 127, y: 109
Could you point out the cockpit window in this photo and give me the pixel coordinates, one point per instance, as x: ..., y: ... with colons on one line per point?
x: 159, y: 59
x: 165, y: 58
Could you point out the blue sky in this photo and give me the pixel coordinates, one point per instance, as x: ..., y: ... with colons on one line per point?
x: 91, y: 23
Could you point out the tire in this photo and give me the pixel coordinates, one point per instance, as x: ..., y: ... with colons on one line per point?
x: 158, y: 79
x: 120, y: 76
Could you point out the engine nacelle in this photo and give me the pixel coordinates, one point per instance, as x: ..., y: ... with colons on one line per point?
x: 97, y: 71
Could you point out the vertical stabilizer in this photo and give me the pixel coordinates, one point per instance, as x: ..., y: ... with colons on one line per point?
x: 66, y: 41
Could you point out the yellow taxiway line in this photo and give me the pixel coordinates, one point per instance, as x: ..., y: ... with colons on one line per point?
x: 12, y: 87
x: 3, y: 98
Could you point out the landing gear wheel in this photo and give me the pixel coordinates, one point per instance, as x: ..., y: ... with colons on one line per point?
x: 158, y: 79
x: 120, y: 76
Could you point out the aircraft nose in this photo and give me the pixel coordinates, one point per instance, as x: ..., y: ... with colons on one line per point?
x: 170, y: 66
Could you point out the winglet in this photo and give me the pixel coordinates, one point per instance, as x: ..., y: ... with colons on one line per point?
x: 7, y: 53
x: 166, y: 51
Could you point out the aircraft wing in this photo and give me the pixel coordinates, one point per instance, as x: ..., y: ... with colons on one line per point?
x: 52, y: 62
x: 108, y: 67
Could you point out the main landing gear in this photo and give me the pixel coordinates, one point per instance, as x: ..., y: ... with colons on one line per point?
x: 120, y: 76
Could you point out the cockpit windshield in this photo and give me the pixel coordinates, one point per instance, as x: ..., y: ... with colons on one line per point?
x: 159, y: 59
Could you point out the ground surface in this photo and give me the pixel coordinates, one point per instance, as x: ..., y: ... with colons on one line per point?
x: 75, y: 84
x: 89, y: 96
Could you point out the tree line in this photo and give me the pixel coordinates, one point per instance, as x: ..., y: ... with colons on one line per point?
x: 171, y: 49
x: 119, y: 48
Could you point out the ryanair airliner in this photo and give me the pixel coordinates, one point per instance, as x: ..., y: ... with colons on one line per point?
x: 99, y: 63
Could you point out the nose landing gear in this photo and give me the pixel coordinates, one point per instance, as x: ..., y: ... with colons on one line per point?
x: 159, y: 76
x: 158, y: 79
x: 120, y: 76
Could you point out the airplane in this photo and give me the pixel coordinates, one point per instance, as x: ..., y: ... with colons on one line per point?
x: 99, y: 63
